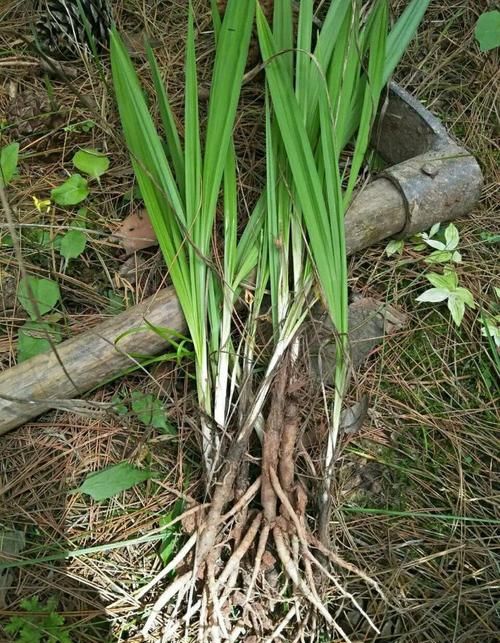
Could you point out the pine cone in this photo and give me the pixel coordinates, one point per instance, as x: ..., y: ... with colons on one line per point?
x: 62, y: 31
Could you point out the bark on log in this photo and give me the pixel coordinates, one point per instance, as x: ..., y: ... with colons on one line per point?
x: 414, y: 195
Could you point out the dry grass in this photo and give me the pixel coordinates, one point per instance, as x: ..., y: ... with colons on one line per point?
x: 417, y: 506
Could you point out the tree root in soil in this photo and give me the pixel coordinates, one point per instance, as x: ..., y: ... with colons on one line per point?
x: 246, y: 549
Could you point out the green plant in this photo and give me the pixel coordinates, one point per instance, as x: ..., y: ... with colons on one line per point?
x: 91, y: 162
x: 292, y: 245
x: 82, y: 126
x: 172, y: 190
x: 147, y: 408
x: 445, y: 244
x: 173, y: 534
x: 74, y: 241
x: 113, y: 480
x: 40, y: 624
x: 73, y: 191
x: 487, y: 30
x: 76, y: 189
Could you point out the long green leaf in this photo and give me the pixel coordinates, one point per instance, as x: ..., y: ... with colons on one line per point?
x: 232, y: 45
x: 174, y: 146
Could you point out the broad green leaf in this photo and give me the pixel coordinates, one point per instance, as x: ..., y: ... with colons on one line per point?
x: 435, y: 229
x: 451, y: 236
x: 466, y: 296
x: 439, y: 256
x: 448, y: 280
x: 150, y: 411
x: 395, y: 246
x: 434, y: 243
x: 456, y: 307
x: 74, y: 190
x: 91, y: 162
x: 8, y: 163
x: 37, y: 296
x: 72, y: 244
x: 487, y: 30
x: 113, y: 480
x: 434, y: 295
x: 172, y: 534
x: 33, y: 339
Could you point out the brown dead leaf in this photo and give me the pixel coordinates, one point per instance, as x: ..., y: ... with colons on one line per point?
x: 136, y: 232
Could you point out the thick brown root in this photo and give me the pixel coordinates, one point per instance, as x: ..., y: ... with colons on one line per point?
x: 242, y: 548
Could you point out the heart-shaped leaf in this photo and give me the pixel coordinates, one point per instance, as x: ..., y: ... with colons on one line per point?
x: 33, y: 339
x: 71, y: 192
x: 150, y: 411
x: 38, y: 296
x: 8, y: 163
x: 488, y: 30
x: 91, y: 162
x: 72, y: 244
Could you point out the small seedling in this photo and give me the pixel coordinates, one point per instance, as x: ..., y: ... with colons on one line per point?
x: 445, y: 251
x: 113, y: 480
x: 490, y: 237
x: 172, y: 534
x: 446, y: 288
x: 76, y: 189
x: 116, y: 302
x: 40, y: 624
x: 82, y: 126
x: 148, y: 409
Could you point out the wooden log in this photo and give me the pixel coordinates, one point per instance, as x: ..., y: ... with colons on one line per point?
x: 84, y: 361
x: 414, y: 195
